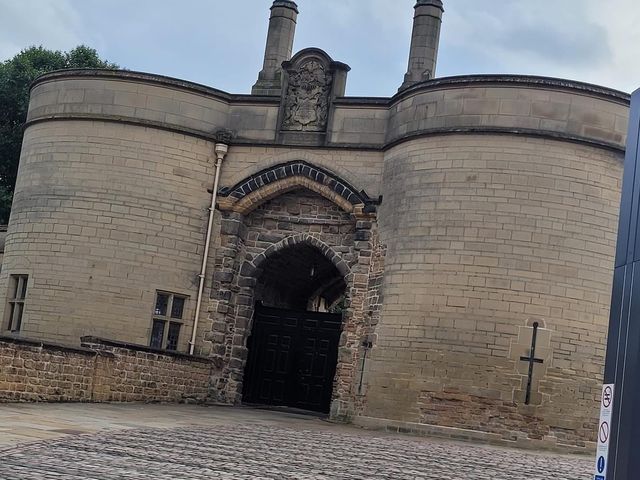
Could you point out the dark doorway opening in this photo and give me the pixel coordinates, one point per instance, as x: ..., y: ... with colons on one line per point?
x: 292, y: 359
x: 293, y: 347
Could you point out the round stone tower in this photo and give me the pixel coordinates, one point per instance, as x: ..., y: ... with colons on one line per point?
x: 499, y: 216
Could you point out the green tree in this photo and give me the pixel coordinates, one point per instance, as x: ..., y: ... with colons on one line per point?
x: 16, y: 76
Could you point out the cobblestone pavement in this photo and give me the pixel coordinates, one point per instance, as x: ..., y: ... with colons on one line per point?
x: 258, y: 451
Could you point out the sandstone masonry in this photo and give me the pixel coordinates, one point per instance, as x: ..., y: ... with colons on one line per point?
x: 443, y: 223
x: 99, y: 371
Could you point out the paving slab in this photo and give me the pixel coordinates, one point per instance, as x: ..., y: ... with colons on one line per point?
x: 187, y: 442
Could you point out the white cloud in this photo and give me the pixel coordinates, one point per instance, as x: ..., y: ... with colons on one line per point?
x: 621, y: 19
x: 522, y: 33
x: 587, y: 40
x: 392, y: 16
x: 54, y: 24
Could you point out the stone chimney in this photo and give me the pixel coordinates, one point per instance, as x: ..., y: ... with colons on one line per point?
x: 282, y: 28
x: 424, y: 42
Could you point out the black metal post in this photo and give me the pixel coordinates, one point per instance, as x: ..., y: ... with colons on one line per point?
x: 532, y: 361
x: 623, y: 344
x: 367, y: 346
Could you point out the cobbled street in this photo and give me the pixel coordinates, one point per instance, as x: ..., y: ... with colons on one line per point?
x: 267, y: 445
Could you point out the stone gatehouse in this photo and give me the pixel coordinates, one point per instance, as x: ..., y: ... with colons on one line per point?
x: 383, y: 260
x: 297, y: 237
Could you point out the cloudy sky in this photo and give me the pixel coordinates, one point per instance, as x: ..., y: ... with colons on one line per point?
x: 221, y: 42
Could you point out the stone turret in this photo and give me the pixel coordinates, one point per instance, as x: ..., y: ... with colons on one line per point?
x: 424, y: 42
x: 282, y: 28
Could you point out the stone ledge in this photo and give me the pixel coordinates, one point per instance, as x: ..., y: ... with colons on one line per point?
x: 436, y: 83
x: 488, y: 130
x: 153, y: 79
x: 89, y: 340
x: 452, y: 433
x: 45, y: 345
x: 502, y: 80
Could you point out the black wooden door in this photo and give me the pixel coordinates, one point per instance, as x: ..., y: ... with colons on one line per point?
x: 292, y: 358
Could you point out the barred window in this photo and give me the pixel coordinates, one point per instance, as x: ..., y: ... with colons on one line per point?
x: 167, y: 320
x: 17, y: 297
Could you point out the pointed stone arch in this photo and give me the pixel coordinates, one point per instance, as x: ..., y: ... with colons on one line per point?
x: 251, y: 266
x: 275, y: 180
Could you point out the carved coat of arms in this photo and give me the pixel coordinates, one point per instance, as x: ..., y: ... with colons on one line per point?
x: 307, y: 100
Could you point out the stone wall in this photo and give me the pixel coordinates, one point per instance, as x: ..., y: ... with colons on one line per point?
x: 499, y: 211
x: 487, y: 235
x: 530, y: 105
x: 99, y: 371
x: 105, y: 215
x: 296, y: 216
x: 505, y: 103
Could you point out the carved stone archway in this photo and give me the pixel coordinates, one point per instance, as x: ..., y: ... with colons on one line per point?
x: 256, y: 224
x: 278, y: 179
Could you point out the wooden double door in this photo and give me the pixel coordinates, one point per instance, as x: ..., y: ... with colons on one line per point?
x: 292, y: 358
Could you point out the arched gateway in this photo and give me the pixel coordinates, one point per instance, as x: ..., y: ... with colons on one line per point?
x: 296, y: 289
x: 297, y: 322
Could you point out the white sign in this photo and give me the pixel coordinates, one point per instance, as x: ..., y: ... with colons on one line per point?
x: 604, y: 432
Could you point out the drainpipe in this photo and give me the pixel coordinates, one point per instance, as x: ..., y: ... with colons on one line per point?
x: 220, y: 150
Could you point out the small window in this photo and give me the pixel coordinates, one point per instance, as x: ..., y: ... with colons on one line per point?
x: 162, y: 301
x: 17, y: 297
x: 177, y: 307
x: 157, y: 333
x: 167, y: 319
x: 172, y: 336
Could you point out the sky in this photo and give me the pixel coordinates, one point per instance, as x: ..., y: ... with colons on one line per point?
x: 220, y: 43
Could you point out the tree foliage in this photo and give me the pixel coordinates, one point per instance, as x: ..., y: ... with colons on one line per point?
x: 16, y: 76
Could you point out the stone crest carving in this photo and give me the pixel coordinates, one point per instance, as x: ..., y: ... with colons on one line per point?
x: 306, y: 105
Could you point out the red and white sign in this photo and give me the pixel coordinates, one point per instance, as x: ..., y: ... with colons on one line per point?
x: 604, y: 432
